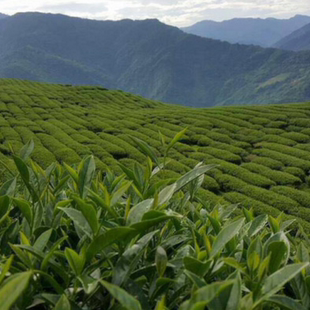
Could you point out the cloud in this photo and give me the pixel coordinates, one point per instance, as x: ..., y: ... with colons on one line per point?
x: 74, y: 7
x: 175, y: 12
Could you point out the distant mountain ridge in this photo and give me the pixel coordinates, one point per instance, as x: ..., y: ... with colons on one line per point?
x: 297, y: 41
x: 257, y: 31
x: 151, y: 59
x: 3, y: 16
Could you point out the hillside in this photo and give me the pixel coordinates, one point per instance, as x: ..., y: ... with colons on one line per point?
x: 151, y: 59
x: 263, y: 152
x: 297, y: 41
x: 257, y: 31
x: 3, y: 16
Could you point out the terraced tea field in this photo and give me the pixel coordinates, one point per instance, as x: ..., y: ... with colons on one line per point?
x: 263, y: 153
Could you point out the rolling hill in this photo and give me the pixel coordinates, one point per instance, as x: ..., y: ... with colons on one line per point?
x: 257, y: 31
x: 297, y: 41
x: 263, y: 152
x: 151, y: 59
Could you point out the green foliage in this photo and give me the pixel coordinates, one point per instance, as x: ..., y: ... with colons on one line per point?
x: 296, y: 172
x: 287, y: 160
x: 254, y: 178
x: 303, y: 198
x: 268, y: 162
x: 279, y: 177
x: 298, y: 137
x: 220, y: 154
x: 85, y: 240
x: 68, y: 123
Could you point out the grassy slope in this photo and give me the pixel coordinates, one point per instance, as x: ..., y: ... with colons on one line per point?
x: 262, y: 152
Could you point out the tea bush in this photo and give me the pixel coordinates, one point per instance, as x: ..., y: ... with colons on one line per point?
x: 268, y: 162
x: 279, y: 177
x: 303, y: 198
x: 243, y: 174
x: 73, y: 238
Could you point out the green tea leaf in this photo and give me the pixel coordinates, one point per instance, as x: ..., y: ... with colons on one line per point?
x: 107, y: 238
x: 25, y: 208
x: 63, y: 303
x: 119, y: 193
x: 130, y: 258
x: 22, y: 169
x: 5, y: 268
x: 161, y: 304
x: 127, y: 301
x: 89, y: 213
x: 203, y: 296
x: 75, y: 261
x: 198, y: 281
x: 4, y: 205
x: 79, y: 219
x: 13, y: 289
x: 278, y: 251
x: 43, y: 239
x: 192, y: 175
x: 225, y: 235
x: 72, y: 173
x: 233, y: 303
x: 26, y: 150
x: 136, y: 213
x: 196, y: 266
x: 161, y: 260
x: 146, y: 149
x: 286, y: 302
x: 8, y: 188
x: 86, y: 174
x: 166, y: 194
x: 175, y: 139
x: 257, y: 224
x: 276, y: 281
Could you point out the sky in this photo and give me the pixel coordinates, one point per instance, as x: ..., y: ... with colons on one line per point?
x: 173, y: 12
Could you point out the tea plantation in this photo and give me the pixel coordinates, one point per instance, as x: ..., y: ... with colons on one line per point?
x: 262, y: 152
x: 106, y: 203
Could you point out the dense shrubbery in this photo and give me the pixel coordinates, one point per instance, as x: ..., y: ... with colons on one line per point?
x: 303, y: 198
x: 297, y: 136
x: 230, y: 148
x: 243, y: 174
x: 298, y: 153
x: 60, y: 120
x: 287, y: 160
x: 220, y: 154
x: 278, y: 177
x: 296, y: 172
x: 268, y: 162
x: 81, y: 240
x: 278, y: 139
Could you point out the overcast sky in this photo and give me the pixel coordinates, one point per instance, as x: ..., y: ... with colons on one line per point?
x: 173, y: 12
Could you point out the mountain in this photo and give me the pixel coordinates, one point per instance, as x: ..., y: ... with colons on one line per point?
x: 151, y: 59
x: 297, y: 41
x: 3, y: 16
x: 257, y: 31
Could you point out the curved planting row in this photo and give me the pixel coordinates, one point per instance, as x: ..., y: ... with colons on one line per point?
x: 262, y: 152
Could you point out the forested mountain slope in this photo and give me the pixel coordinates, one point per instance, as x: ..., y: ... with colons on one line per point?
x: 297, y: 41
x: 151, y: 59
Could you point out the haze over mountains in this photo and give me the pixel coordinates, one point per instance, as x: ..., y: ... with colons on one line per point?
x: 257, y: 31
x: 151, y: 59
x: 297, y: 41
